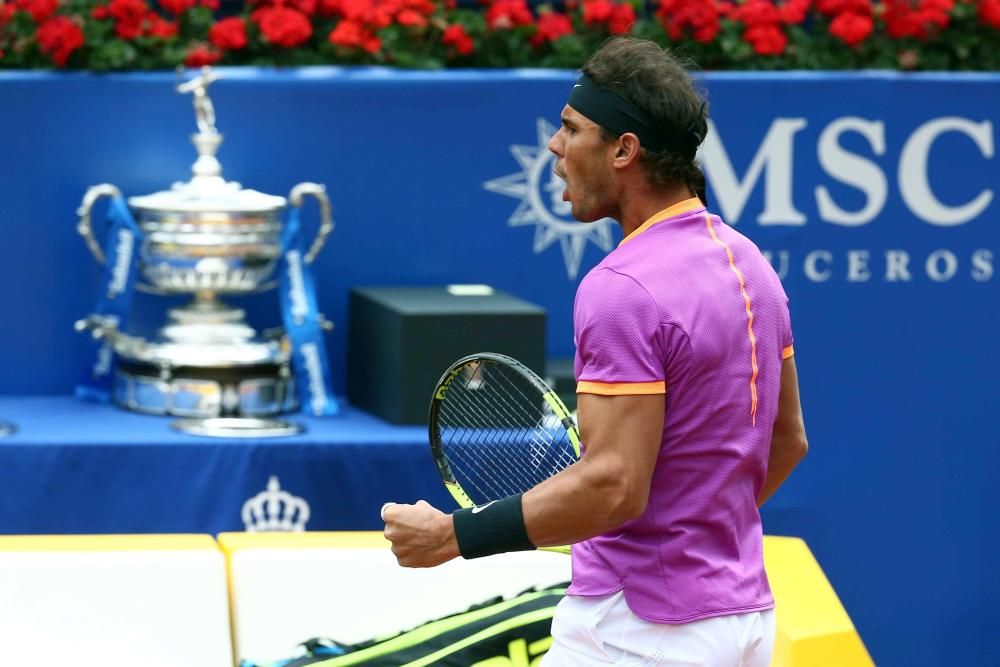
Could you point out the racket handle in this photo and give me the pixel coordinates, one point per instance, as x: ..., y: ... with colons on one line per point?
x: 558, y: 550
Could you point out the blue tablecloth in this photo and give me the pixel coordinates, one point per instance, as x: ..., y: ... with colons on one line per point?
x: 75, y: 467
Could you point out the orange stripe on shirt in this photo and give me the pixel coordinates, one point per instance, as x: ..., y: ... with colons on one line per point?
x: 788, y: 352
x: 678, y: 209
x: 621, y: 388
x: 746, y: 300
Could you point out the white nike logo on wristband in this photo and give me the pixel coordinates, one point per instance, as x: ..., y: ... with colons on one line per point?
x: 480, y: 508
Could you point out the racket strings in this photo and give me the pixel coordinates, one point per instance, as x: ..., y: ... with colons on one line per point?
x: 490, y: 475
x: 542, y: 437
x: 498, y: 434
x: 476, y: 441
x: 482, y: 409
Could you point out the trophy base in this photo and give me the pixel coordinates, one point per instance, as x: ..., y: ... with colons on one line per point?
x: 257, y: 390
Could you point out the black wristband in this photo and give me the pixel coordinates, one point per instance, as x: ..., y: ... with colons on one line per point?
x: 494, y: 528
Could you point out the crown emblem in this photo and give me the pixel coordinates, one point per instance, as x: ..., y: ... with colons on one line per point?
x: 275, y: 510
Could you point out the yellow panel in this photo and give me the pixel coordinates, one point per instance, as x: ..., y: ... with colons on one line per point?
x: 305, y: 540
x: 106, y: 542
x: 813, y: 626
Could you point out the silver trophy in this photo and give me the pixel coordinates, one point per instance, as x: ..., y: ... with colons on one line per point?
x: 207, y: 237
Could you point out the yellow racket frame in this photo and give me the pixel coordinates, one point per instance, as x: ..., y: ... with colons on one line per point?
x: 558, y: 408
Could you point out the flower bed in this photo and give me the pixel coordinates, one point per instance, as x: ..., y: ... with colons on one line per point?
x: 106, y: 35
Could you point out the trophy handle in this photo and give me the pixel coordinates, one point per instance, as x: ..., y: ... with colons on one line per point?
x: 83, y: 226
x: 326, y: 218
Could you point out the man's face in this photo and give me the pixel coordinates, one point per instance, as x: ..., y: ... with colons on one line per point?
x: 583, y: 160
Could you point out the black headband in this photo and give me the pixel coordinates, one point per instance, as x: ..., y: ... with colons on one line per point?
x: 617, y: 115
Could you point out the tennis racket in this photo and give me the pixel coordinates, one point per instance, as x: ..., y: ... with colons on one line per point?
x: 496, y: 429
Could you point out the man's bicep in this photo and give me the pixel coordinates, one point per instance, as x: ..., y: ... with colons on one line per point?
x: 623, y: 431
x: 789, y: 420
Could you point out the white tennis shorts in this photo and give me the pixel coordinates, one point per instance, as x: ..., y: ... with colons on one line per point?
x: 604, y: 631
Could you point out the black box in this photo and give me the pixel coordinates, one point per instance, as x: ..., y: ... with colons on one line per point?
x: 402, y: 339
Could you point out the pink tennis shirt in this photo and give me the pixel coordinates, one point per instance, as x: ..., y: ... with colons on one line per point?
x: 687, y: 307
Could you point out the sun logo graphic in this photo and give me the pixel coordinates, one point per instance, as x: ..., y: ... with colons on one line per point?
x: 540, y: 192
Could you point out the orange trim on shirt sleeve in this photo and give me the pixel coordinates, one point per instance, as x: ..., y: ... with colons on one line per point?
x: 621, y: 388
x: 788, y: 352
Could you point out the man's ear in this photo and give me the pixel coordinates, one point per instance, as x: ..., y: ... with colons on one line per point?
x: 627, y: 149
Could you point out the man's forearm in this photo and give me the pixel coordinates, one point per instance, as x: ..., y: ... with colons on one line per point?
x: 581, y: 502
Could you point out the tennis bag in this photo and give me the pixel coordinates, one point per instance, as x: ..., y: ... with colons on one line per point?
x: 498, y: 633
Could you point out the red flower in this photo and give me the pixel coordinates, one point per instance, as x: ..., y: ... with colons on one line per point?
x: 700, y: 17
x: 757, y: 12
x: 377, y: 14
x: 40, y: 10
x: 129, y: 16
x: 619, y: 18
x: 763, y: 22
x: 767, y: 39
x: 623, y: 19
x: 356, y: 35
x: 202, y: 55
x: 506, y: 14
x: 989, y: 13
x: 551, y: 26
x: 59, y: 37
x: 100, y: 12
x: 917, y: 18
x: 425, y: 7
x: 229, y: 34
x: 598, y: 11
x: 282, y: 26
x: 852, y: 28
x: 456, y: 37
x: 837, y: 7
x: 794, y: 12
x: 157, y: 27
x: 330, y: 8
x: 177, y: 7
x: 209, y: 4
x: 409, y: 17
x: 348, y: 33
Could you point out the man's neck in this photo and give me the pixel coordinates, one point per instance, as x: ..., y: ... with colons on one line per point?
x: 639, y: 205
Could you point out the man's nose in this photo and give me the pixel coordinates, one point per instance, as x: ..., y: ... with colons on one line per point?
x: 555, y: 143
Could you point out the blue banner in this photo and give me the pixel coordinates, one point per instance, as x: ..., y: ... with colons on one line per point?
x: 300, y: 312
x: 114, y: 301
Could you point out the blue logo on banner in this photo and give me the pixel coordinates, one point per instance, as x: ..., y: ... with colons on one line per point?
x: 301, y: 316
x: 117, y: 287
x: 540, y: 192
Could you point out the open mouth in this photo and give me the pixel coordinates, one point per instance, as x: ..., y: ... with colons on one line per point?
x: 561, y: 175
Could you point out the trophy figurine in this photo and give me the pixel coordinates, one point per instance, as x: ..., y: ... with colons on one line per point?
x: 207, y: 238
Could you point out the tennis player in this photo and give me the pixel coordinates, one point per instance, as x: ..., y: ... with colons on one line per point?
x: 687, y: 399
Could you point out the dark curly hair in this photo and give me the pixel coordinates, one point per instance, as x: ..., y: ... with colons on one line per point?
x: 651, y: 78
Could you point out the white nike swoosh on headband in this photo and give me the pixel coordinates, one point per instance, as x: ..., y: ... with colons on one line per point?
x: 577, y: 85
x: 480, y: 508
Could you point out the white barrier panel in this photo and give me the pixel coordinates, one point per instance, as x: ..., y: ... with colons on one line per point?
x: 113, y: 601
x: 287, y: 588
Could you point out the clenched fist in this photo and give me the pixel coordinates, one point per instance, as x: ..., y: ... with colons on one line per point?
x: 421, y: 535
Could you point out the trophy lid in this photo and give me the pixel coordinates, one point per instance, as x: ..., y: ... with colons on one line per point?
x: 221, y: 197
x: 207, y: 190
